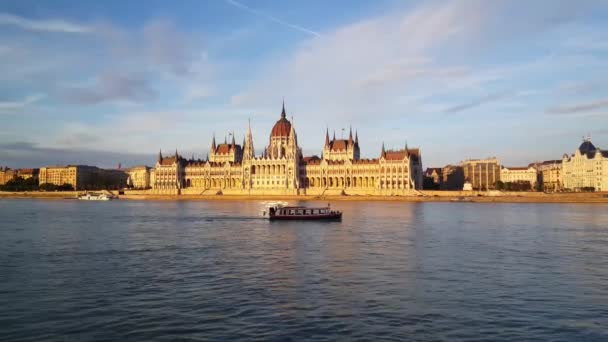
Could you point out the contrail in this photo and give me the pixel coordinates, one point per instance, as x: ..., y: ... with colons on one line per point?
x: 272, y: 18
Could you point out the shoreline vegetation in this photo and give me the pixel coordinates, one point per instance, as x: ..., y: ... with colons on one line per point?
x: 429, y: 196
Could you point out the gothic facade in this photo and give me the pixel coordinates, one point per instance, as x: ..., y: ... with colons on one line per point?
x: 282, y: 169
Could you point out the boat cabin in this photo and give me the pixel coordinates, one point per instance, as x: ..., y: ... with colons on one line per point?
x: 303, y: 213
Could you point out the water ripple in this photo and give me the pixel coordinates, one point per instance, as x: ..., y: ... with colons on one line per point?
x: 165, y: 271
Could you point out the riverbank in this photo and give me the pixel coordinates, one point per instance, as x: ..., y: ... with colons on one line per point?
x: 423, y: 196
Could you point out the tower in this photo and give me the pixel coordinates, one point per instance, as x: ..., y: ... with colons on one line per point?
x: 248, y: 152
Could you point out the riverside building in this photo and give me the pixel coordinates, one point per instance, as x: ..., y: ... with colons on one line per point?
x: 231, y: 168
x: 481, y: 173
x: 550, y: 175
x: 519, y: 175
x: 139, y: 177
x: 82, y: 177
x: 586, y: 169
x: 7, y: 174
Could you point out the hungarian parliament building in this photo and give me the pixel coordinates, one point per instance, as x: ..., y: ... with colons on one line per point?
x: 283, y: 170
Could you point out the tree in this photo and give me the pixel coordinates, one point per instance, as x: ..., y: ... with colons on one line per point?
x: 53, y: 187
x: 20, y: 184
x: 428, y: 183
x: 499, y: 185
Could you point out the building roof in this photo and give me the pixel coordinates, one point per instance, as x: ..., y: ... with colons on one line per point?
x: 586, y: 147
x: 166, y: 161
x: 517, y: 168
x: 336, y: 145
x: 549, y: 162
x: 429, y: 170
x: 413, y: 153
x: 282, y: 127
x: 28, y: 171
x: 312, y: 160
x: 395, y: 155
x: 226, y: 148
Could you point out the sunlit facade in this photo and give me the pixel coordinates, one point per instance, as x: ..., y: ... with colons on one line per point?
x: 282, y: 169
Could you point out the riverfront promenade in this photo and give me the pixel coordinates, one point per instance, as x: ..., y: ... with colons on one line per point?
x: 422, y: 196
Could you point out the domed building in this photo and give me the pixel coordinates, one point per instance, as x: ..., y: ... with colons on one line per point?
x: 279, y: 137
x: 283, y: 170
x: 586, y: 168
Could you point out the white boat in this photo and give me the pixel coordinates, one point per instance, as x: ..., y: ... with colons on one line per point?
x: 96, y: 197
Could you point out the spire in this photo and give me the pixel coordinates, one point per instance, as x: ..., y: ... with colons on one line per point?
x: 334, y: 135
x: 233, y: 142
x: 356, y: 138
x: 160, y: 155
x: 383, y: 153
x: 248, y: 152
x: 176, y: 155
x: 283, y: 115
x: 213, y: 147
x: 225, y: 139
x: 350, y: 135
x: 326, y: 137
x: 292, y: 132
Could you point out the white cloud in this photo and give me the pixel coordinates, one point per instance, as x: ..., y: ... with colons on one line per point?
x: 580, y: 108
x: 46, y: 25
x: 367, y: 66
x: 10, y: 106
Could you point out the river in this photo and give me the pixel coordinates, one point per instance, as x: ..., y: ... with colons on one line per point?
x: 214, y: 270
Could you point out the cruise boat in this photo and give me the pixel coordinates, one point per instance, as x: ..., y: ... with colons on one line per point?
x: 91, y: 196
x: 302, y: 213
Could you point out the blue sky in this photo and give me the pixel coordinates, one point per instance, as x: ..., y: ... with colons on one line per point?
x: 103, y: 82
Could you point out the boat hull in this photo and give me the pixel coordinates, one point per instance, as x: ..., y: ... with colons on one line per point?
x: 328, y: 217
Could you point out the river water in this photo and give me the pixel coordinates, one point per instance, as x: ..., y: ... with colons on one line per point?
x: 165, y: 271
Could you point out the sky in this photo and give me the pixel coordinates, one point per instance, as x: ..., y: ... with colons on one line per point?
x: 108, y: 82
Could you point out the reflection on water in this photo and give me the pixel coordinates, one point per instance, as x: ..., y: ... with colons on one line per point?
x: 127, y: 270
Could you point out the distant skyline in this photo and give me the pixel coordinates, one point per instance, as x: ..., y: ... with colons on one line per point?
x: 111, y: 82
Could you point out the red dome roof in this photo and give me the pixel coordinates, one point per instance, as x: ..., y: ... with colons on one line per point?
x: 283, y: 127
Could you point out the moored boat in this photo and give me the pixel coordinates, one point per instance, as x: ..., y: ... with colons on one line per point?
x: 90, y: 196
x: 461, y: 199
x: 302, y: 213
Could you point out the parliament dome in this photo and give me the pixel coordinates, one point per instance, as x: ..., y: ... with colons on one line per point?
x: 283, y: 127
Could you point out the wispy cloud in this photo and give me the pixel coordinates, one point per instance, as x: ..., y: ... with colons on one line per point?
x: 110, y: 87
x: 46, y: 25
x: 478, y: 102
x: 166, y: 46
x: 9, y: 106
x: 581, y: 108
x: 272, y: 18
